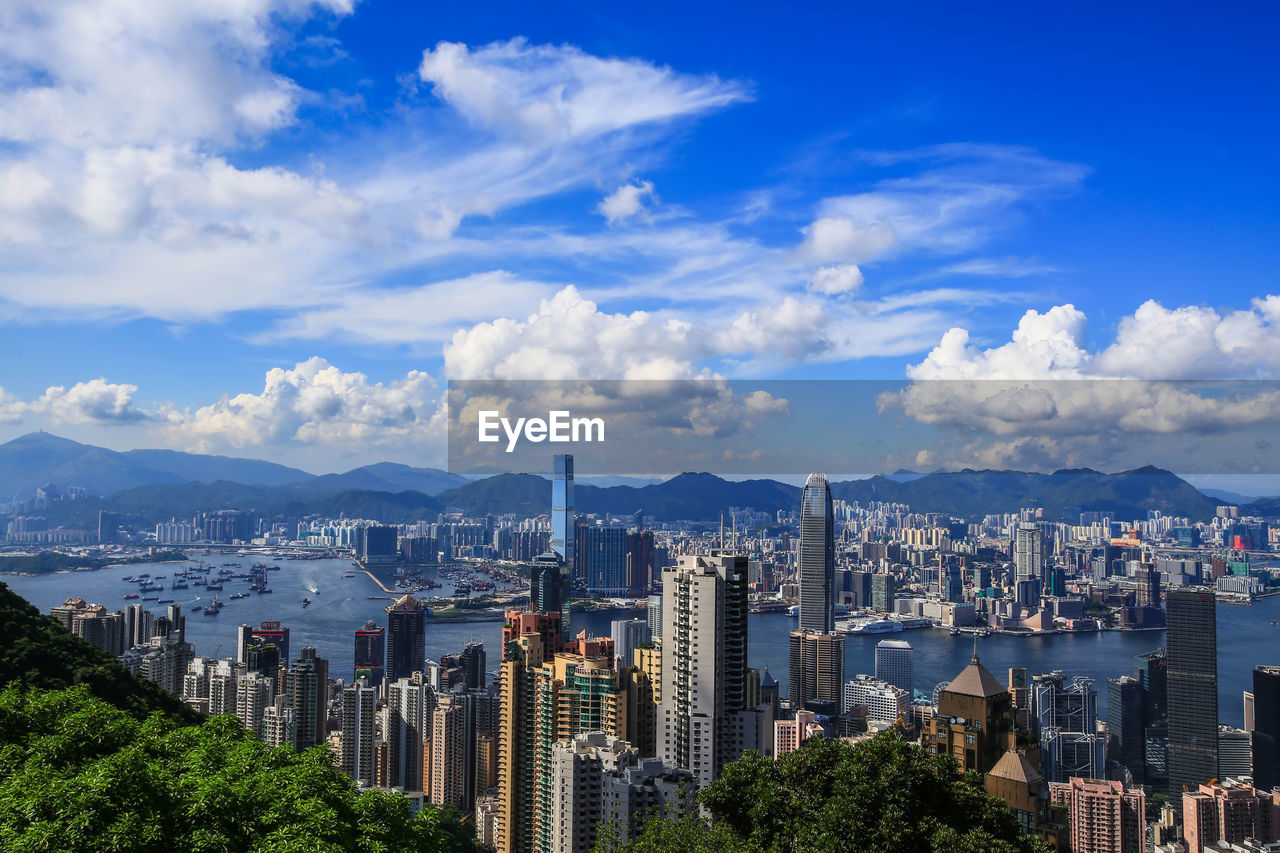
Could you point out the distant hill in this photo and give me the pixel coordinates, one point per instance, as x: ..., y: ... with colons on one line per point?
x: 29, y: 461
x: 969, y: 493
x: 37, y: 458
x: 525, y: 494
x: 695, y: 497
x: 384, y: 477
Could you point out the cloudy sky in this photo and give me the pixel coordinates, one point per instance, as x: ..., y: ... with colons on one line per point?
x: 276, y: 228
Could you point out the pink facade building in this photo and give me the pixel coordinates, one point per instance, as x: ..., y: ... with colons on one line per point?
x: 1103, y: 817
x: 1229, y: 811
x: 788, y: 735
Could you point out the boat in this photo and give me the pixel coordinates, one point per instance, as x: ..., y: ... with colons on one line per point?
x: 265, y: 589
x: 873, y: 626
x: 135, y: 595
x: 236, y: 595
x: 211, y: 611
x: 306, y: 602
x: 150, y: 598
x: 165, y: 601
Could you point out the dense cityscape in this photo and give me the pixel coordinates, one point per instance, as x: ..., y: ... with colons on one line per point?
x: 560, y: 739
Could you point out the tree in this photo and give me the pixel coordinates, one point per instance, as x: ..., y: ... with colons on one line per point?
x: 881, y: 795
x: 77, y: 774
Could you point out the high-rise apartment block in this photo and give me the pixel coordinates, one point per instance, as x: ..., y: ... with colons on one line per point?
x: 703, y: 718
x: 406, y: 638
x: 1102, y: 817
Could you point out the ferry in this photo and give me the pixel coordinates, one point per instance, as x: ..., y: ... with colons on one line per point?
x: 870, y: 626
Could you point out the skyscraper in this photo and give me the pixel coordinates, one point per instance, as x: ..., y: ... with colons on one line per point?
x: 1193, y: 687
x: 274, y: 632
x: 817, y: 556
x: 1266, y: 727
x: 371, y: 653
x: 472, y: 660
x: 703, y: 721
x: 817, y: 671
x: 1028, y: 553
x: 883, y: 590
x: 306, y: 689
x: 562, y: 515
x: 406, y: 638
x: 895, y: 663
x: 1126, y: 726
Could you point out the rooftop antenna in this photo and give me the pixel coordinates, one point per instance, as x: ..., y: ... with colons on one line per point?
x: 722, y: 530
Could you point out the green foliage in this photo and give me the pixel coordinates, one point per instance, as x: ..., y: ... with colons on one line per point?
x: 37, y: 652
x: 48, y: 562
x: 78, y: 774
x: 883, y: 795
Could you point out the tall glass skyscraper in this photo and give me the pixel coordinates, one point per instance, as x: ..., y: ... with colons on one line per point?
x: 562, y: 518
x: 817, y: 556
x: 406, y: 638
x: 1193, y: 687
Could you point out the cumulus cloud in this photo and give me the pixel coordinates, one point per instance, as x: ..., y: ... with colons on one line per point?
x: 833, y: 280
x: 626, y: 201
x: 315, y: 403
x: 1045, y: 394
x: 95, y: 401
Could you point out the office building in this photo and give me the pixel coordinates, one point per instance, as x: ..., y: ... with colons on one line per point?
x: 1065, y: 718
x: 1102, y: 817
x: 790, y: 735
x: 277, y: 635
x: 974, y: 721
x: 406, y: 639
x: 1235, y: 758
x: 371, y: 654
x: 817, y: 556
x: 603, y: 553
x: 563, y: 520
x: 703, y: 718
x: 473, y: 661
x: 882, y: 701
x: 1126, y: 727
x: 108, y: 526
x: 359, y: 735
x: 1192, y: 687
x: 1265, y: 733
x: 884, y: 588
x: 628, y: 635
x: 895, y: 663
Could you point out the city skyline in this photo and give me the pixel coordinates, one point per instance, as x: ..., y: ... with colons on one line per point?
x: 316, y: 174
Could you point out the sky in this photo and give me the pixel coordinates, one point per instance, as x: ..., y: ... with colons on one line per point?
x: 277, y: 228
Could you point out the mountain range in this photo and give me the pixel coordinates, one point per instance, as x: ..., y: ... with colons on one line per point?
x: 146, y: 486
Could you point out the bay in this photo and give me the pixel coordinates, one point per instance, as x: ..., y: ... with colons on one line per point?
x: 1246, y: 637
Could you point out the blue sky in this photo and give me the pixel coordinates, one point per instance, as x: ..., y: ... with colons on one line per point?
x: 275, y: 228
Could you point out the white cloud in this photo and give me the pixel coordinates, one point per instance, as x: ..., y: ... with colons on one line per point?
x: 960, y: 198
x: 626, y: 201
x: 315, y: 403
x: 1043, y: 346
x: 1127, y: 400
x: 833, y: 280
x: 95, y: 401
x: 547, y: 92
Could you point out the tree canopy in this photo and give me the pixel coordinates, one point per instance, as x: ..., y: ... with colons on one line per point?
x: 883, y: 795
x: 78, y: 774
